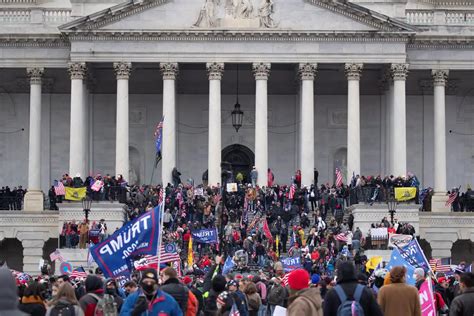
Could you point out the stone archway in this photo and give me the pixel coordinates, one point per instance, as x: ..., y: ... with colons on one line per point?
x: 340, y: 162
x: 241, y: 158
x: 11, y: 252
x: 462, y: 250
x: 426, y: 247
x: 49, y: 246
x: 135, y: 164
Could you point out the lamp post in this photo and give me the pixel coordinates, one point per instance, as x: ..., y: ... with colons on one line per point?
x: 86, y: 207
x: 237, y: 113
x: 392, y: 208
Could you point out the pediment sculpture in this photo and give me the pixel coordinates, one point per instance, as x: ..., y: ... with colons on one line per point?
x: 236, y: 14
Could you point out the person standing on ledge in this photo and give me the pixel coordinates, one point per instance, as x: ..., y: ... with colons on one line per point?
x: 254, y: 176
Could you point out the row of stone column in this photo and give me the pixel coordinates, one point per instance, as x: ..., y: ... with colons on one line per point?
x: 79, y: 125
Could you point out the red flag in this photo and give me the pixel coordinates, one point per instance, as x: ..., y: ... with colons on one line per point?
x: 339, y: 179
x: 291, y: 194
x: 266, y: 231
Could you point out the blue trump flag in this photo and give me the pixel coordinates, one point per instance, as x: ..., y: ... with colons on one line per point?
x: 397, y: 260
x: 139, y: 237
x: 414, y: 255
x: 205, y: 236
x: 290, y: 264
x: 158, y: 140
x: 228, y: 265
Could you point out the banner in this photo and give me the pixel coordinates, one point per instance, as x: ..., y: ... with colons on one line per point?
x: 228, y: 265
x: 205, y: 236
x: 231, y: 187
x: 290, y: 264
x: 399, y: 240
x: 98, y: 184
x: 139, y: 237
x: 405, y: 194
x: 75, y: 194
x: 396, y: 259
x: 413, y: 254
x: 427, y: 300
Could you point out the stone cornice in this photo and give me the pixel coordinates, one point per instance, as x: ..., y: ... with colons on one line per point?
x: 239, y: 35
x: 34, y: 40
x: 430, y: 42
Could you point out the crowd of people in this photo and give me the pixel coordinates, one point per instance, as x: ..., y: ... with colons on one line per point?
x: 11, y: 199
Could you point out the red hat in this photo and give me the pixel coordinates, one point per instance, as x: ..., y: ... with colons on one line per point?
x: 187, y: 280
x: 441, y: 280
x: 298, y: 279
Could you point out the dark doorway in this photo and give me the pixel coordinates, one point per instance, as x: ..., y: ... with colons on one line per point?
x: 241, y: 158
x: 462, y: 250
x: 11, y: 253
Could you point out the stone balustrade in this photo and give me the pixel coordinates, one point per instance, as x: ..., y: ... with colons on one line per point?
x: 440, y: 17
x: 34, y: 15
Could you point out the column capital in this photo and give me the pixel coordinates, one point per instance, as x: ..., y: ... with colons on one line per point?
x: 399, y: 71
x: 122, y: 70
x: 35, y: 74
x: 169, y: 70
x: 215, y: 70
x: 77, y: 70
x: 353, y: 71
x: 261, y: 71
x: 307, y: 71
x: 440, y: 77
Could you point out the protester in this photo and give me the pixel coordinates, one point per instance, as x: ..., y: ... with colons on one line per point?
x: 347, y: 282
x: 65, y: 303
x: 303, y: 300
x: 253, y: 299
x: 32, y: 302
x: 185, y: 298
x: 463, y: 305
x: 8, y: 294
x: 95, y: 292
x: 399, y: 298
x: 149, y: 300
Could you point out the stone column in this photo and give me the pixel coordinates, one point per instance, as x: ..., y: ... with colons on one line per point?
x: 398, y: 144
x: 34, y: 197
x: 215, y: 71
x: 390, y: 131
x: 353, y: 73
x: 77, y: 141
x: 122, y: 72
x: 261, y: 72
x: 85, y: 100
x: 168, y: 162
x: 439, y: 198
x: 32, y: 251
x: 307, y: 73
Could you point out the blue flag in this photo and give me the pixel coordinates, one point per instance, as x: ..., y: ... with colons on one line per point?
x: 397, y: 260
x: 205, y: 236
x: 139, y: 237
x: 159, y: 140
x: 414, y: 255
x: 228, y: 265
x: 290, y: 264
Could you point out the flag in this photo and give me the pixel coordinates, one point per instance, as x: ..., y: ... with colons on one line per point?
x: 59, y: 188
x: 277, y: 242
x: 291, y: 263
x: 158, y: 140
x: 75, y: 194
x: 437, y: 266
x: 266, y: 231
x: 292, y: 240
x: 90, y: 260
x: 414, y: 255
x: 452, y: 196
x: 284, y: 279
x: 427, y: 300
x: 341, y: 237
x: 291, y: 194
x: 396, y: 259
x: 373, y: 263
x: 78, y: 273
x: 190, y: 252
x: 234, y: 311
x: 168, y: 253
x: 56, y: 255
x: 339, y: 179
x: 205, y: 235
x: 405, y: 194
x: 228, y: 265
x: 97, y: 185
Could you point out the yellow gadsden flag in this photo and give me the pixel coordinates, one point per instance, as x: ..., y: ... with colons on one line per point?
x: 405, y: 194
x: 373, y: 263
x: 75, y: 194
x: 190, y: 252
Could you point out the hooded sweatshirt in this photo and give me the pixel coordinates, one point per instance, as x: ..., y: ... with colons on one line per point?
x: 8, y: 294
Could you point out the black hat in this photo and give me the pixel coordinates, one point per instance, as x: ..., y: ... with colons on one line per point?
x: 150, y: 274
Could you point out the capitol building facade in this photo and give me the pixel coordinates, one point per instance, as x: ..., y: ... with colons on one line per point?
x: 370, y: 87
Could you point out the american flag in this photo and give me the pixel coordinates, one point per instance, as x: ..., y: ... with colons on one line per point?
x: 159, y: 126
x: 339, y: 179
x: 59, y: 188
x: 452, y: 196
x: 168, y: 254
x: 78, y: 273
x: 160, y: 196
x: 284, y: 279
x: 234, y: 311
x: 341, y: 237
x: 56, y: 255
x: 437, y: 266
x: 291, y: 194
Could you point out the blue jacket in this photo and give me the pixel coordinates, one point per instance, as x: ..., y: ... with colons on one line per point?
x: 163, y: 305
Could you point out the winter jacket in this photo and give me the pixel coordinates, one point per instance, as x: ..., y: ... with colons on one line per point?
x: 77, y: 309
x: 8, y: 294
x: 277, y: 295
x: 306, y: 302
x: 163, y: 305
x: 254, y: 302
x: 399, y: 299
x: 463, y: 305
x: 178, y: 291
x: 88, y: 302
x: 367, y: 300
x: 33, y: 305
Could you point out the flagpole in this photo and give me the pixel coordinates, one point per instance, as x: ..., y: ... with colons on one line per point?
x: 160, y: 231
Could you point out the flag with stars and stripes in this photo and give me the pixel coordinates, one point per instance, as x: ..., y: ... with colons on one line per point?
x: 78, y: 273
x: 59, y: 188
x: 339, y: 178
x: 168, y: 254
x: 452, y: 196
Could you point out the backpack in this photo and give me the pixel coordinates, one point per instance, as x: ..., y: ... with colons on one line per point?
x: 348, y: 307
x: 105, y: 306
x: 193, y: 305
x: 63, y: 309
